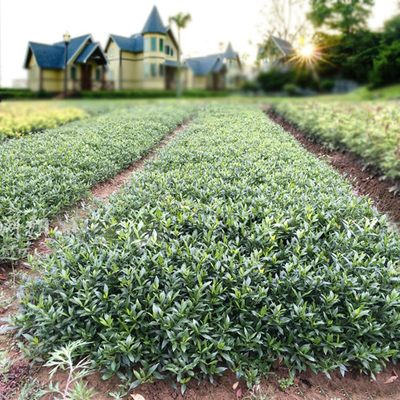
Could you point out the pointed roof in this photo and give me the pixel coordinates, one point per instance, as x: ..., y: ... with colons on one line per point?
x: 154, y: 23
x: 202, y: 66
x: 213, y: 63
x: 230, y: 53
x: 74, y: 45
x: 47, y: 56
x: 92, y: 51
x: 52, y: 56
x: 283, y: 45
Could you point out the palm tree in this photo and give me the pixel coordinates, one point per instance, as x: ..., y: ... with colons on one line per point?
x: 180, y: 20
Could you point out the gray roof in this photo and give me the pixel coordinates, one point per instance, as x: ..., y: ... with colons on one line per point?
x: 47, y: 56
x: 89, y: 50
x: 134, y: 43
x: 283, y: 45
x: 230, y: 53
x: 75, y: 44
x: 212, y: 63
x: 52, y: 56
x: 154, y: 23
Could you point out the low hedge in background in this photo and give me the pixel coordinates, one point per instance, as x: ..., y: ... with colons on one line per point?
x: 149, y: 94
x: 370, y: 130
x: 234, y: 249
x: 21, y: 94
x: 19, y: 119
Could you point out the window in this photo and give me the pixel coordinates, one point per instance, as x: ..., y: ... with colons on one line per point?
x: 153, y: 70
x: 146, y: 70
x: 167, y: 49
x: 153, y: 44
x: 161, y: 69
x: 73, y: 72
x: 147, y: 44
x: 172, y: 51
x: 161, y: 45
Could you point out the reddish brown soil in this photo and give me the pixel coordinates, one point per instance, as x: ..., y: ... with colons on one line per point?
x: 306, y: 386
x: 365, y: 181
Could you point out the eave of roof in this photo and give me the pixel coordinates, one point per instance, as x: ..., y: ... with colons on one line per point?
x: 88, y: 51
x: 133, y: 44
x: 75, y: 46
x: 46, y: 56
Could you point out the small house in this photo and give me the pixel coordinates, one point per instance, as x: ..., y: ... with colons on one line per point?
x: 81, y: 61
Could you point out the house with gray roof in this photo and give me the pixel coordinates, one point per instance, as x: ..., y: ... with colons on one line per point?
x: 215, y: 71
x: 82, y: 62
x: 276, y: 53
x: 144, y: 60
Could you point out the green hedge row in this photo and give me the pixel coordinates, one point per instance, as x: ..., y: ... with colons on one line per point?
x: 43, y: 173
x: 234, y: 249
x: 149, y: 94
x: 370, y: 130
x: 19, y: 94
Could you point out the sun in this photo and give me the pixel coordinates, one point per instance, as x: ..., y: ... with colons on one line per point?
x: 307, y: 51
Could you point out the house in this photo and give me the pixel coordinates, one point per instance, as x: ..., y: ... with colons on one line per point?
x: 84, y: 64
x: 216, y: 71
x: 276, y: 53
x: 145, y: 60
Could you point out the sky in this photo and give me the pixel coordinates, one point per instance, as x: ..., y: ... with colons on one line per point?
x: 213, y: 22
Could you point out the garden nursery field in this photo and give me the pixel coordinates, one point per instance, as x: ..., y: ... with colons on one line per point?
x: 173, y: 249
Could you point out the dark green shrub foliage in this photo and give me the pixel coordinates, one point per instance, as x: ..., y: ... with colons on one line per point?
x: 386, y: 68
x: 326, y: 85
x: 274, y: 80
x: 291, y: 89
x: 236, y: 248
x: 43, y: 173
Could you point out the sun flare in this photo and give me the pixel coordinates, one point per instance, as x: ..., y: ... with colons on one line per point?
x: 307, y: 51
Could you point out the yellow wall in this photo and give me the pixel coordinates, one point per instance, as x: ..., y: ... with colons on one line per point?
x: 199, y: 82
x: 113, y: 57
x: 233, y: 74
x: 33, y: 75
x: 169, y: 42
x: 52, y: 80
x: 132, y: 70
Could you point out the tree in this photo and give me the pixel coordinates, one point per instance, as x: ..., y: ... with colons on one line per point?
x: 345, y: 16
x: 391, y: 29
x: 180, y: 20
x: 284, y: 19
x: 386, y: 68
x: 348, y: 56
